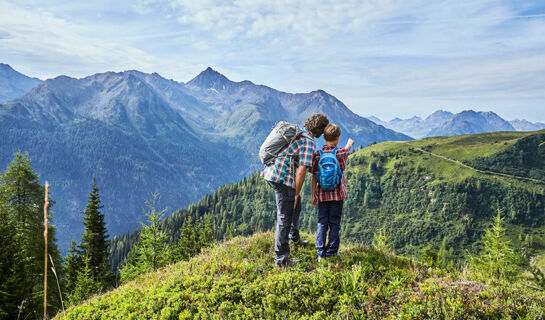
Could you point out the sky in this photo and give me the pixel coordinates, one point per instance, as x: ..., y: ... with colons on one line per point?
x: 388, y: 58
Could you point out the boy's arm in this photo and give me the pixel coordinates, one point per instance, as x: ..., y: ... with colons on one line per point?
x: 349, y: 144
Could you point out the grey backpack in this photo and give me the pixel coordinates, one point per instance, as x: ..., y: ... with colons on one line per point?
x: 282, y: 134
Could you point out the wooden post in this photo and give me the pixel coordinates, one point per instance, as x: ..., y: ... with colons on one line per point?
x: 45, y: 257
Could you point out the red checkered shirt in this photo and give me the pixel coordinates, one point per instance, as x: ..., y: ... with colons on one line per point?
x: 282, y: 170
x: 340, y: 192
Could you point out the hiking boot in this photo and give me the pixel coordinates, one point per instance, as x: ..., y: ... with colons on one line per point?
x: 287, y: 263
x: 300, y: 242
x: 335, y: 254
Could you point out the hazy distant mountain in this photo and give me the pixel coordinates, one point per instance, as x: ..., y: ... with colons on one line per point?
x: 139, y: 133
x: 376, y: 120
x: 444, y: 123
x: 14, y: 85
x: 525, y: 125
x: 437, y: 118
x: 416, y: 127
x: 469, y: 121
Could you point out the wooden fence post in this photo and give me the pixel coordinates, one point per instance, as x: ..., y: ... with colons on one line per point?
x: 45, y: 256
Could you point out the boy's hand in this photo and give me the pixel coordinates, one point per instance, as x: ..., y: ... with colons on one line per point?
x: 314, y: 202
x: 349, y: 144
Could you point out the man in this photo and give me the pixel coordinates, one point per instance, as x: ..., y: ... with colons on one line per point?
x: 286, y: 175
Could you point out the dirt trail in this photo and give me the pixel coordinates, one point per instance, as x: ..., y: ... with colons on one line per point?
x: 482, y: 171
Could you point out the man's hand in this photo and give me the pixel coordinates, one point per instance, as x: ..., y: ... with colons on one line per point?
x: 297, y: 199
x: 314, y: 201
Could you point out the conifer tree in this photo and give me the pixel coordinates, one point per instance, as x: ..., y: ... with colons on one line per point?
x: 74, y: 264
x: 7, y: 253
x: 151, y: 251
x: 94, y: 242
x: 22, y: 207
x: 497, y: 258
x: 193, y: 238
x: 85, y: 285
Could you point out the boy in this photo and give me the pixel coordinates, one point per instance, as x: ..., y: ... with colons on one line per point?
x: 329, y: 203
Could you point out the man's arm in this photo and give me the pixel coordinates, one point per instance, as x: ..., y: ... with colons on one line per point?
x: 300, y: 179
x: 313, y: 183
x: 305, y: 161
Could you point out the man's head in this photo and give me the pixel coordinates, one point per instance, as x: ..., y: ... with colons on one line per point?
x: 316, y: 124
x: 332, y: 133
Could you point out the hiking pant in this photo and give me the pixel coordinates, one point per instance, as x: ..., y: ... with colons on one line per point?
x: 287, y: 220
x: 329, y: 217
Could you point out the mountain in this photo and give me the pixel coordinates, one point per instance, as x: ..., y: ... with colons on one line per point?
x: 437, y: 118
x: 422, y: 193
x: 444, y: 123
x: 469, y: 121
x: 118, y: 128
x: 416, y: 127
x: 237, y: 279
x: 376, y: 120
x: 246, y: 111
x: 139, y: 133
x: 525, y: 125
x: 14, y: 85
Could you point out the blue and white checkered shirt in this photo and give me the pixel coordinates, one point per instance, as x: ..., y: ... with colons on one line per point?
x: 282, y: 169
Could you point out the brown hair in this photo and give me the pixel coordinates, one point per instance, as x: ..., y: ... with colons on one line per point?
x: 332, y: 132
x: 316, y: 124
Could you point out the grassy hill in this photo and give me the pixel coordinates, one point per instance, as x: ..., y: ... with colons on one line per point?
x: 428, y: 193
x: 237, y: 280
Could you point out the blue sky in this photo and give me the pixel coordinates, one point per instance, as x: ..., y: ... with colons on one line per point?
x: 386, y: 58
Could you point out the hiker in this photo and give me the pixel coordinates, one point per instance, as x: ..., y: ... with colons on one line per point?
x: 328, y: 188
x: 285, y: 172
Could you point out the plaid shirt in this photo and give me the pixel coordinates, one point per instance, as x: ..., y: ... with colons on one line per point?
x: 339, y: 193
x: 282, y: 170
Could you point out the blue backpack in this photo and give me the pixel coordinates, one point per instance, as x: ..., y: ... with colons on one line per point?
x: 329, y: 173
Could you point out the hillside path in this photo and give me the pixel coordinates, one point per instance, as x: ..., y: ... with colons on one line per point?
x: 458, y: 162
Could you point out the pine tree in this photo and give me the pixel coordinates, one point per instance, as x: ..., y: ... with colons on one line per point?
x: 85, y: 285
x: 497, y: 258
x: 151, y: 251
x: 7, y: 253
x: 193, y: 238
x: 23, y: 206
x: 94, y: 242
x: 381, y: 242
x: 74, y: 264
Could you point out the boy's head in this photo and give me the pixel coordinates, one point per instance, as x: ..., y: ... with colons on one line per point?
x: 332, y: 133
x: 316, y: 124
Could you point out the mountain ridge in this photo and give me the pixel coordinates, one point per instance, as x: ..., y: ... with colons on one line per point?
x: 14, y: 84
x: 444, y: 123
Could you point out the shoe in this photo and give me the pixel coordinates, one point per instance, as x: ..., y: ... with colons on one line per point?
x: 300, y: 242
x: 287, y: 263
x: 335, y: 254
